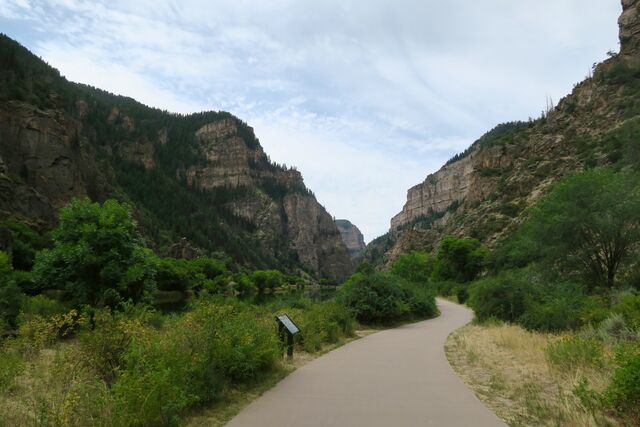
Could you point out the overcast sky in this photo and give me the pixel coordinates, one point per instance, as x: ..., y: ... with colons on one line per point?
x: 364, y: 97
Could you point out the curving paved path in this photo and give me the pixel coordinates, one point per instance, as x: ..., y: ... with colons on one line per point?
x: 397, y: 377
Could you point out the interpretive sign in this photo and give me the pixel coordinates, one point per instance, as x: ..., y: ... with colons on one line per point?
x: 287, y: 329
x: 288, y: 323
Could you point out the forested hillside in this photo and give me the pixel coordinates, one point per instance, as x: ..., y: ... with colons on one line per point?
x: 203, y: 176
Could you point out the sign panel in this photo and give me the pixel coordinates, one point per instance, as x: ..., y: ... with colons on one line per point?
x: 288, y: 323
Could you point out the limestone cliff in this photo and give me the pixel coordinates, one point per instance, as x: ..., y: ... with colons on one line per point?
x: 352, y: 237
x: 203, y: 176
x: 484, y: 191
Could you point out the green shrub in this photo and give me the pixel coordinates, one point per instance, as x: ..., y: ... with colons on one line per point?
x: 24, y: 281
x: 413, y: 266
x: 267, y: 279
x: 445, y: 288
x: 103, y: 349
x: 594, y: 310
x: 554, y: 310
x: 629, y: 308
x: 573, y: 352
x: 174, y: 274
x: 422, y: 301
x: 11, y: 364
x: 375, y: 298
x: 189, y: 360
x: 623, y: 393
x: 245, y: 345
x: 98, y: 257
x: 25, y: 242
x: 10, y: 295
x: 462, y: 293
x: 615, y: 329
x: 210, y: 268
x: 40, y: 305
x: 386, y: 298
x: 502, y: 297
x: 460, y: 260
x: 324, y: 323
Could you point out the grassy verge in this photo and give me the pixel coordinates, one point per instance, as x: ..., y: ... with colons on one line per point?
x: 509, y: 369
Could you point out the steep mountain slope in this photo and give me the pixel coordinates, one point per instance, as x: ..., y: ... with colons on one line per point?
x: 352, y: 237
x: 482, y: 192
x: 202, y: 176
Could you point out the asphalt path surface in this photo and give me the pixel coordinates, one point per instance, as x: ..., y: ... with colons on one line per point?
x: 396, y: 377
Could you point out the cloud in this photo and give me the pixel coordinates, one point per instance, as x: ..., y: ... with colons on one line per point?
x: 364, y: 97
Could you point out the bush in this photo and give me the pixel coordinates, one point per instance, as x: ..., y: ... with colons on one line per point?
x: 375, y: 298
x: 414, y: 267
x: 182, y: 274
x: 383, y: 298
x: 629, y: 308
x: 445, y: 288
x: 103, y: 349
x: 25, y: 242
x: 623, y: 393
x: 24, y: 281
x: 459, y: 259
x: 422, y: 301
x: 594, y: 310
x: 462, y: 293
x: 615, y: 329
x: 324, y: 323
x: 40, y: 305
x: 245, y: 345
x: 174, y: 274
x: 188, y: 361
x: 98, y: 257
x: 573, y: 352
x: 502, y: 297
x: 267, y: 279
x: 555, y: 308
x: 11, y: 364
x: 520, y: 296
x: 10, y: 295
x: 38, y: 332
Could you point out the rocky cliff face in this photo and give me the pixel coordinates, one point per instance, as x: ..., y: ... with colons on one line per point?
x: 483, y: 192
x: 352, y: 237
x: 629, y: 23
x: 203, y: 176
x: 45, y: 163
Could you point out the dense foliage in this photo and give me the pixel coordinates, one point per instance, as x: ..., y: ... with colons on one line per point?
x: 385, y: 298
x: 588, y: 223
x: 459, y: 259
x: 98, y: 256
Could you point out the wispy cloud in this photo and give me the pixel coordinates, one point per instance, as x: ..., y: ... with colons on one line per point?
x: 365, y: 97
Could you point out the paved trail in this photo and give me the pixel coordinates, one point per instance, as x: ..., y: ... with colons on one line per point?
x: 397, y: 377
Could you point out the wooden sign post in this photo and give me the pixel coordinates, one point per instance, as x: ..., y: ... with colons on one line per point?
x: 286, y: 330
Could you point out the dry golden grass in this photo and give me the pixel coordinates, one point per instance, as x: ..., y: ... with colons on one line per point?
x: 507, y: 368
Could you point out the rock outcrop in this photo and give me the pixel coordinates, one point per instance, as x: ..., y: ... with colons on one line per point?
x: 484, y: 191
x: 45, y: 162
x: 352, y: 237
x: 629, y: 23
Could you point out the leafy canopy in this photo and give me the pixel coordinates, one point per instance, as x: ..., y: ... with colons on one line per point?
x: 459, y: 259
x: 588, y: 223
x: 98, y: 256
x: 413, y: 266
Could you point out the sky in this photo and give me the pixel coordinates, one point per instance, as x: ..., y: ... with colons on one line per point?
x: 364, y: 97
